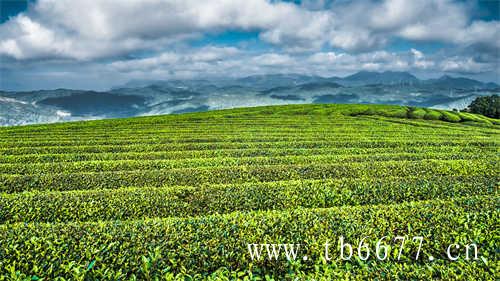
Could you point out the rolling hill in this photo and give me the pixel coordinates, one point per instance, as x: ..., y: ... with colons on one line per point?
x: 182, y: 196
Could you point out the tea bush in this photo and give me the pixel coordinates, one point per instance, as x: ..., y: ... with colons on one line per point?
x: 179, y: 197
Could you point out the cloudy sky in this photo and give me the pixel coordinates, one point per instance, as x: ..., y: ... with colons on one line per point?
x: 98, y: 44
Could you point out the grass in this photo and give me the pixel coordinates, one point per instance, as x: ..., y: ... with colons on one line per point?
x: 180, y: 196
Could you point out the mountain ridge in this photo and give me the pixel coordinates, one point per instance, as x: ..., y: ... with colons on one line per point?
x: 176, y: 96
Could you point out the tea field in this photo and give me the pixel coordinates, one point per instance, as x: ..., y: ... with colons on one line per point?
x: 182, y: 196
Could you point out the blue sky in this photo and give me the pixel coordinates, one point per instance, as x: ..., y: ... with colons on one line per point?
x: 48, y: 44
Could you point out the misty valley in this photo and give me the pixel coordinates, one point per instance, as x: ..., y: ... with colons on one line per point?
x: 151, y: 97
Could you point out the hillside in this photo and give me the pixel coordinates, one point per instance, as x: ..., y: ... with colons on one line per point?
x: 181, y: 196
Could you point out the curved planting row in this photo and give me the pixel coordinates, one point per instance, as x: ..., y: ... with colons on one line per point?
x: 245, y: 152
x: 251, y: 138
x: 130, y: 165
x: 228, y: 145
x: 183, y: 201
x: 181, y: 197
x: 168, y: 247
x: 240, y: 174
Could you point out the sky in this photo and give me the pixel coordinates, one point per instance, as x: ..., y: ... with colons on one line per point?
x: 81, y: 44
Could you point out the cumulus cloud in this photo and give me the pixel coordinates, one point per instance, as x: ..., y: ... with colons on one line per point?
x: 30, y: 38
x: 236, y: 62
x: 372, y: 61
x: 426, y: 20
x: 146, y: 63
x: 208, y: 54
x: 465, y: 65
x: 420, y: 61
x: 154, y: 37
x: 272, y: 59
x: 225, y: 61
x: 109, y: 28
x: 25, y: 37
x: 413, y: 60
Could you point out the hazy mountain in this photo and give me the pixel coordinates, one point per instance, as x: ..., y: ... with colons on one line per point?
x: 448, y: 82
x: 318, y: 86
x: 307, y: 87
x: 18, y: 112
x: 179, y: 96
x: 93, y: 103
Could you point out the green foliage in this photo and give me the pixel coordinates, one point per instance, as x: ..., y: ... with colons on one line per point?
x: 488, y: 106
x: 240, y: 174
x: 178, y: 197
x: 417, y: 113
x: 182, y: 201
x: 450, y: 116
x: 472, y: 117
x: 433, y: 115
x: 199, y: 246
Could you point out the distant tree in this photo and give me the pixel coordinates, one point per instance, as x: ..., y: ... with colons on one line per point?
x: 487, y: 106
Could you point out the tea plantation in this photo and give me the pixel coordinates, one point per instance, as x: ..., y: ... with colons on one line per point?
x: 182, y: 196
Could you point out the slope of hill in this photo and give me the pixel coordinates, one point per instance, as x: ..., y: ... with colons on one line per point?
x: 182, y: 196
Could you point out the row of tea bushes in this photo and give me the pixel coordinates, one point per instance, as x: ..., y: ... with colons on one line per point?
x: 241, y: 174
x: 183, y: 201
x: 145, y: 248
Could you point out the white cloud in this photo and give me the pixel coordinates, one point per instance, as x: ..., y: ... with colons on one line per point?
x: 236, y: 63
x: 85, y: 30
x: 417, y: 54
x: 212, y: 53
x: 107, y: 33
x: 210, y: 61
x: 299, y: 30
x: 26, y: 38
x: 365, y: 25
x: 327, y: 57
x: 32, y: 38
x: 465, y: 65
x: 356, y: 39
x: 481, y: 32
x: 420, y: 61
x: 272, y: 60
x: 436, y: 20
x: 194, y: 58
x: 414, y: 60
x: 146, y: 63
x: 11, y: 48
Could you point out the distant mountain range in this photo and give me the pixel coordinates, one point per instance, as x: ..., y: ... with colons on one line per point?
x: 151, y: 97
